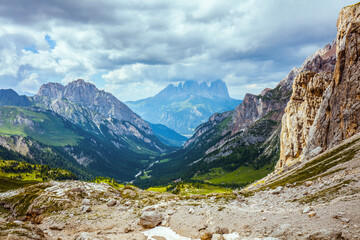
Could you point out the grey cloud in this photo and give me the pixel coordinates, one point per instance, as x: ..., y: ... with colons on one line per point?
x: 176, y: 40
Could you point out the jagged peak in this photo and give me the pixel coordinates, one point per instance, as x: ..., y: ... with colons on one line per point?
x: 216, y: 88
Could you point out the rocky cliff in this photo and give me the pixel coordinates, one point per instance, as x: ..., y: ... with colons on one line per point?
x: 324, y: 108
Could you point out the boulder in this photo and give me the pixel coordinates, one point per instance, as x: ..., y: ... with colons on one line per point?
x: 150, y: 219
x: 111, y: 203
x: 325, y: 234
x: 86, y: 202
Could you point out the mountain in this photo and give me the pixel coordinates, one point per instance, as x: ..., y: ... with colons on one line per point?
x: 85, y: 105
x: 185, y: 106
x: 82, y: 129
x: 243, y: 145
x: 167, y: 135
x: 9, y: 97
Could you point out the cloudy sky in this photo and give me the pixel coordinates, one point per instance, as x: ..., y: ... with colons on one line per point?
x: 135, y: 48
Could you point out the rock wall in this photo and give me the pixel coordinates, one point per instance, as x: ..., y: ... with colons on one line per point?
x: 300, y: 112
x: 339, y: 116
x: 325, y: 110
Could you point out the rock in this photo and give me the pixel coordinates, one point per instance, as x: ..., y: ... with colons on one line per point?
x: 222, y: 230
x: 191, y: 210
x: 312, y: 214
x: 325, y: 234
x: 240, y: 198
x: 57, y: 227
x: 150, y: 219
x: 122, y: 208
x: 84, y: 236
x: 217, y: 236
x: 339, y: 215
x: 128, y: 193
x: 306, y: 99
x: 206, y: 236
x: 282, y: 230
x: 86, y: 201
x: 308, y: 183
x: 85, y: 208
x: 129, y: 228
x: 128, y: 203
x: 111, y: 203
x: 308, y: 209
x: 345, y: 220
x: 337, y: 118
x: 277, y: 190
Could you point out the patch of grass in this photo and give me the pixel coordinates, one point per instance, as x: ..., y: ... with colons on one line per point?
x: 44, y: 127
x: 7, y: 183
x: 32, y: 172
x: 187, y: 189
x: 165, y: 160
x: 242, y: 175
x: 112, y: 182
x: 157, y: 189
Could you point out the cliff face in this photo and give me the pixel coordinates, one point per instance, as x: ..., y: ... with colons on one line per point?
x: 300, y: 112
x: 324, y: 110
x: 256, y: 106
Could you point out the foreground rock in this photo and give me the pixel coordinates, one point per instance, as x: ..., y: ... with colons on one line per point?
x: 150, y: 219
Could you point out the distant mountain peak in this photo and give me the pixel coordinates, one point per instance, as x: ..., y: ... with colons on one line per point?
x: 217, y: 89
x: 9, y: 97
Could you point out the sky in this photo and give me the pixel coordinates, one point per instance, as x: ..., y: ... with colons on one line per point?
x: 133, y: 49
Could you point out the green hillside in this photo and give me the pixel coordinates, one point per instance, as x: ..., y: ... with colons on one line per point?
x: 43, y: 126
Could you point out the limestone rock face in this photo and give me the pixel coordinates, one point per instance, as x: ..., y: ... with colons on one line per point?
x: 308, y: 89
x: 339, y: 116
x: 324, y: 109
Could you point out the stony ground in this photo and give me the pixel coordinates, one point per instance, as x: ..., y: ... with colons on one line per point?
x: 326, y: 207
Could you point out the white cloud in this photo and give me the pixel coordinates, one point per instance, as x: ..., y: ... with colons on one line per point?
x: 30, y: 83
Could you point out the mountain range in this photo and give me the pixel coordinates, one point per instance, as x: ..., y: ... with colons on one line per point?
x: 80, y: 128
x: 186, y: 106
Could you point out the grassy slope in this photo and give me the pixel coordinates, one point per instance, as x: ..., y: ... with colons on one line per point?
x: 7, y: 184
x: 242, y: 175
x: 44, y: 127
x: 319, y: 166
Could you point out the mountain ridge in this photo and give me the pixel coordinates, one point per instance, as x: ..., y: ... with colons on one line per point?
x: 185, y: 106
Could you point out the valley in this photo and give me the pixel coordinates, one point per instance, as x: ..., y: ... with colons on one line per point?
x: 190, y: 162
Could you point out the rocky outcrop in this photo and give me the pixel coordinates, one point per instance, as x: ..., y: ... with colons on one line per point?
x: 300, y: 112
x: 338, y: 117
x: 324, y: 109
